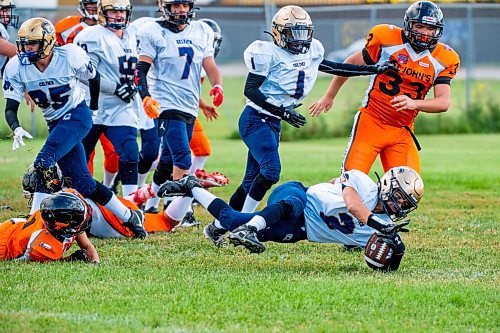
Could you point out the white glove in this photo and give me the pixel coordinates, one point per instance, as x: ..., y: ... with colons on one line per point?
x: 19, y: 133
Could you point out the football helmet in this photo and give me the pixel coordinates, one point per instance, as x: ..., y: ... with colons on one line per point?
x: 384, y: 252
x: 82, y: 8
x: 400, y: 190
x: 118, y: 5
x: 39, y: 31
x: 65, y: 214
x: 6, y: 16
x: 424, y: 12
x: 292, y: 29
x: 217, y: 34
x: 176, y: 18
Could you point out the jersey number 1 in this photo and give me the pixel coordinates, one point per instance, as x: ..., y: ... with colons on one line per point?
x: 299, y: 89
x: 189, y: 53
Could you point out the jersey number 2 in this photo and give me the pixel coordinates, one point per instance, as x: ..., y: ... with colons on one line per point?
x: 189, y: 53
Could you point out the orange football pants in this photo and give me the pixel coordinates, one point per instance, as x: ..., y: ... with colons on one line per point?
x: 199, y: 143
x: 111, y: 158
x: 370, y: 138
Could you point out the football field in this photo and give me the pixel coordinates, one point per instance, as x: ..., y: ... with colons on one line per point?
x: 448, y: 280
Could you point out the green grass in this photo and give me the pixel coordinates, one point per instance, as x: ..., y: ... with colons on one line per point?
x: 178, y: 282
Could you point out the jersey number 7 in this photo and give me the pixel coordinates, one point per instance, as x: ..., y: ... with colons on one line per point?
x: 189, y: 53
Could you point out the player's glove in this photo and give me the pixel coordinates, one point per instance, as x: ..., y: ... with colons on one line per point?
x: 126, y: 91
x: 151, y: 107
x: 19, y: 133
x: 385, y: 228
x: 288, y: 114
x: 79, y: 255
x: 385, y: 66
x: 218, y: 95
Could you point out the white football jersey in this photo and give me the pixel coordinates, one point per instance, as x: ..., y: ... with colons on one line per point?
x: 289, y: 77
x: 326, y: 215
x: 58, y: 89
x: 3, y: 59
x: 115, y: 59
x: 100, y: 227
x: 177, y: 63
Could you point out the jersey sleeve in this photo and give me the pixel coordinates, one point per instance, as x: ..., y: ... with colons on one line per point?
x: 318, y: 49
x: 257, y: 58
x: 80, y: 62
x: 371, y: 51
x: 88, y: 40
x: 44, y: 247
x: 452, y: 63
x: 13, y: 86
x: 209, y: 50
x: 358, y: 181
x: 145, y: 41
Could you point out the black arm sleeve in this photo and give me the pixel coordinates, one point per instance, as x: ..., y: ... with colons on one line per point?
x: 11, y: 108
x: 95, y: 87
x: 142, y: 78
x: 347, y: 70
x: 253, y: 93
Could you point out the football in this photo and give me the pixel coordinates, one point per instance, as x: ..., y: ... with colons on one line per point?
x: 380, y: 252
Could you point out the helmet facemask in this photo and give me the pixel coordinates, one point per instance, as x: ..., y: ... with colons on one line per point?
x: 7, y: 17
x: 426, y: 13
x: 180, y: 18
x: 84, y: 11
x: 396, y: 202
x: 295, y: 38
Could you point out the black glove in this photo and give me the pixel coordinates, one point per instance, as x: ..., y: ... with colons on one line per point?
x: 385, y: 228
x: 126, y: 91
x: 79, y: 255
x: 385, y: 66
x: 288, y: 114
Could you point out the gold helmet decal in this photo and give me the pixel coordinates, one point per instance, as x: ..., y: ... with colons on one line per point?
x: 292, y: 29
x: 36, y: 31
x: 401, y: 189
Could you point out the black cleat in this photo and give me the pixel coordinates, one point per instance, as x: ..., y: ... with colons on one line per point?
x: 216, y: 235
x: 189, y: 220
x: 135, y: 222
x: 246, y: 235
x: 181, y: 187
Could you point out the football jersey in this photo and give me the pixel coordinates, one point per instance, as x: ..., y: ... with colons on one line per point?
x: 417, y: 73
x: 289, y: 77
x: 177, y: 63
x: 115, y: 59
x: 58, y: 89
x: 68, y: 28
x: 30, y: 240
x: 327, y: 218
x: 3, y: 58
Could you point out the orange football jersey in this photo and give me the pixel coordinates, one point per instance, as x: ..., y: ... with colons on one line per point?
x: 68, y: 28
x: 29, y: 238
x: 417, y: 73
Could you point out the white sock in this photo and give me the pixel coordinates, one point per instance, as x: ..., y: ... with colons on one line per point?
x: 197, y: 162
x: 37, y: 200
x: 218, y: 225
x: 250, y: 205
x: 258, y: 222
x: 178, y: 208
x: 153, y: 202
x: 127, y: 189
x: 109, y: 178
x: 204, y: 197
x: 118, y: 208
x: 141, y: 178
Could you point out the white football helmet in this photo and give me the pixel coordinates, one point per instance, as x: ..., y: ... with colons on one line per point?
x: 82, y: 8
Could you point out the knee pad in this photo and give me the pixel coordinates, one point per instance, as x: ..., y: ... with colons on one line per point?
x: 163, y: 173
x: 47, y: 179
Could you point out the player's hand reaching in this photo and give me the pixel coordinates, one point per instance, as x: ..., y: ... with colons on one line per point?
x: 19, y: 134
x: 218, y: 95
x: 403, y: 102
x: 151, y: 107
x: 323, y: 105
x: 385, y: 66
x: 385, y: 228
x: 126, y: 91
x: 288, y: 114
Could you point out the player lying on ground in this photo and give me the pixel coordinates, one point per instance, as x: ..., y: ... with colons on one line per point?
x: 48, y: 233
x: 352, y: 210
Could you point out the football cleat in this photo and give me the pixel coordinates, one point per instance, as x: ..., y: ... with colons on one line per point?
x: 151, y: 210
x: 181, y: 187
x: 246, y: 235
x: 211, y: 179
x: 189, y: 220
x: 216, y: 235
x: 142, y: 194
x: 135, y: 222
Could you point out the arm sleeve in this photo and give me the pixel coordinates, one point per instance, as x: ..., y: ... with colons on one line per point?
x: 142, y: 78
x: 11, y: 108
x: 253, y: 93
x: 94, y: 88
x: 346, y: 70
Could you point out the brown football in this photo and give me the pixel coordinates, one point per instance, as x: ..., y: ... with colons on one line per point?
x: 378, y: 253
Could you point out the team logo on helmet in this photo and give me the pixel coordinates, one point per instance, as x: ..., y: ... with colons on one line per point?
x: 34, y: 32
